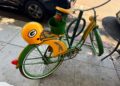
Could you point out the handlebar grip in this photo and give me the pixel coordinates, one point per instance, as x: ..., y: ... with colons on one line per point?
x: 67, y: 11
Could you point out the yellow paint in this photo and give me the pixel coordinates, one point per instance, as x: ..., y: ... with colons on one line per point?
x: 90, y: 27
x: 27, y: 32
x: 57, y: 46
x: 67, y: 11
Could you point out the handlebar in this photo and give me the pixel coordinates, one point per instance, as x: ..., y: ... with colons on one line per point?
x: 68, y: 11
x: 94, y: 7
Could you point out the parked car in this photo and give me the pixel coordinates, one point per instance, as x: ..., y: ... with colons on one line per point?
x: 36, y: 9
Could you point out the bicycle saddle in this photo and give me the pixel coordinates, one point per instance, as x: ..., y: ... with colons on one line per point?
x: 63, y: 10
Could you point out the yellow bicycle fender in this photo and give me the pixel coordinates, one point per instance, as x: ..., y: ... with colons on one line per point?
x: 57, y: 46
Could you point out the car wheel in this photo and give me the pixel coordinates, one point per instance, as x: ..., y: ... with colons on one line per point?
x: 34, y: 10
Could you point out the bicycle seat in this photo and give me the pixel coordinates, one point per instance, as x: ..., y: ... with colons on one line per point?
x: 63, y: 10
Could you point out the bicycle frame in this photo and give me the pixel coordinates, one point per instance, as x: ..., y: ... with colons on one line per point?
x: 76, y: 28
x: 90, y: 27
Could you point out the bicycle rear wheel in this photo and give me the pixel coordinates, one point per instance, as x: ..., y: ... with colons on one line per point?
x: 32, y: 64
x: 96, y: 42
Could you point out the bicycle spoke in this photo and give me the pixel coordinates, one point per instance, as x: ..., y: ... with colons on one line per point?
x: 33, y: 58
x: 34, y: 63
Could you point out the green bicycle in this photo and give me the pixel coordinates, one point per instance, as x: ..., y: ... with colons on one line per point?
x: 47, y: 50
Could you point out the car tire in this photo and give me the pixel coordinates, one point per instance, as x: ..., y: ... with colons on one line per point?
x: 35, y: 10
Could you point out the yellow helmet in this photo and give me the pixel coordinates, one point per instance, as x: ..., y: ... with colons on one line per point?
x: 31, y: 32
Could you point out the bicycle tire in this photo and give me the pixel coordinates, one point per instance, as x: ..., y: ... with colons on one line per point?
x: 96, y: 42
x: 30, y: 51
x: 70, y: 25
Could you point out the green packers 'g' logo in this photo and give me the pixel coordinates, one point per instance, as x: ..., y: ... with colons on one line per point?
x: 32, y: 33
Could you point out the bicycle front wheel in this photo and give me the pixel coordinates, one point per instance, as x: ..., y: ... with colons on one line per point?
x: 96, y: 42
x: 32, y: 61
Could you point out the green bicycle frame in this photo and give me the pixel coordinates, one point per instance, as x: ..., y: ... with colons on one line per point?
x: 75, y: 29
x: 92, y: 27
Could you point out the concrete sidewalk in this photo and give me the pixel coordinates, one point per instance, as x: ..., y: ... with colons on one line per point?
x: 84, y: 70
